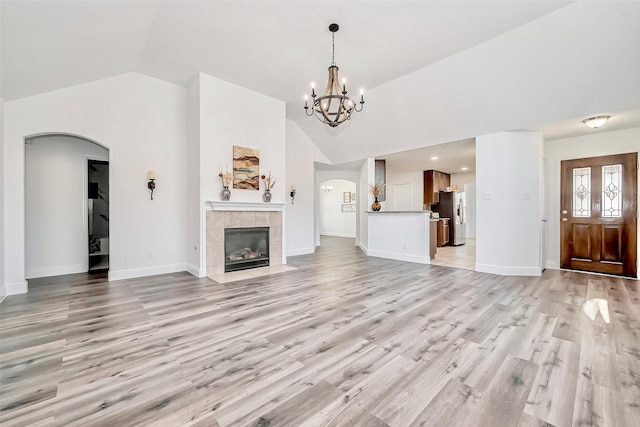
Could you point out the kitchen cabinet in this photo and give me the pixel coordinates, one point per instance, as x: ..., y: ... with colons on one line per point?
x: 433, y: 237
x: 434, y: 182
x: 443, y: 232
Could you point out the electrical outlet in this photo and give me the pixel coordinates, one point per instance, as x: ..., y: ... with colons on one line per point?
x: 404, y: 246
x: 152, y: 253
x: 486, y: 196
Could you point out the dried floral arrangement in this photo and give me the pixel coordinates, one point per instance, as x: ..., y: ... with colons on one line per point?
x: 269, y: 182
x: 376, y: 189
x: 227, y: 177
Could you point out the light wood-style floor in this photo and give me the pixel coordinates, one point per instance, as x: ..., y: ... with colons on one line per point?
x: 344, y: 340
x: 463, y: 256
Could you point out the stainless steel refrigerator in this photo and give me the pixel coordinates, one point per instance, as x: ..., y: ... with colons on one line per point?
x: 452, y: 206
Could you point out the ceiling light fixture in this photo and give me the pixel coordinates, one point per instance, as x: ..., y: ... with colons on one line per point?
x: 434, y: 158
x: 334, y: 106
x: 595, y: 122
x: 464, y: 168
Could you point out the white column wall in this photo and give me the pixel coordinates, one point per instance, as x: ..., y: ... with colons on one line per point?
x: 3, y: 290
x: 301, y: 153
x: 195, y: 239
x: 508, y: 181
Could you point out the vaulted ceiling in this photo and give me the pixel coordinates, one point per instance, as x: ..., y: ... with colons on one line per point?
x: 433, y: 71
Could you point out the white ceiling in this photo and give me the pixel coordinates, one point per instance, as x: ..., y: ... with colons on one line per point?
x: 433, y: 71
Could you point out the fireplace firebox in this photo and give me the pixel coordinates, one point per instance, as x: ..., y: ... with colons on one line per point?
x: 246, y: 248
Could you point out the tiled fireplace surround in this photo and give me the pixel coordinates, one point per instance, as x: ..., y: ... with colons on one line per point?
x: 218, y: 219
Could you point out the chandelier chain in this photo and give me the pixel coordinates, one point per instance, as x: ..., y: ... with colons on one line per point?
x: 333, y: 48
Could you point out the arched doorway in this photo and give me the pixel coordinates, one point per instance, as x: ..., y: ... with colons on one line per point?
x: 66, y: 205
x: 337, y: 208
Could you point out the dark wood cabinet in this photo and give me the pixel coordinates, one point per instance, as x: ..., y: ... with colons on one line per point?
x: 433, y: 238
x: 443, y: 232
x: 434, y: 182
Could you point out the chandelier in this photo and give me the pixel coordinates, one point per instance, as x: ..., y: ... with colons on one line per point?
x: 334, y: 106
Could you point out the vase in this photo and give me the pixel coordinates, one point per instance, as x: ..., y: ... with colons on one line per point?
x: 376, y: 205
x: 226, y: 193
x: 266, y: 196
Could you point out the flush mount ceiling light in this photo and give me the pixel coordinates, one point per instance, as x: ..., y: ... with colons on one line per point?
x: 595, y: 122
x: 334, y: 106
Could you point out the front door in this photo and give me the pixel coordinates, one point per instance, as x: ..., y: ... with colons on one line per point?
x: 599, y: 214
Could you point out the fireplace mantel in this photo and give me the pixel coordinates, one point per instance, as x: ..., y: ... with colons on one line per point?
x: 244, y: 206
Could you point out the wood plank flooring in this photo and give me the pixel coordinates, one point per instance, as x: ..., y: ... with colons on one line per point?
x: 344, y: 340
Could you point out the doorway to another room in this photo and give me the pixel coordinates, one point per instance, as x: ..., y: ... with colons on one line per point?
x: 598, y: 218
x: 98, y: 215
x: 337, y: 202
x: 66, y: 206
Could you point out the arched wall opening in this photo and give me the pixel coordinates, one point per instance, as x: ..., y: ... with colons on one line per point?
x: 66, y: 205
x: 337, y: 208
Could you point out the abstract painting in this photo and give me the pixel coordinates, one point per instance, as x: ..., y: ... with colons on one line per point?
x: 246, y: 168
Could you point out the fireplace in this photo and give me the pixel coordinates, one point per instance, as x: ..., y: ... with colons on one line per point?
x: 246, y: 248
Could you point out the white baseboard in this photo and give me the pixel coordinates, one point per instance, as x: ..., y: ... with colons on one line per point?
x: 147, y: 271
x: 363, y: 247
x: 349, y: 235
x: 16, y: 288
x: 398, y: 256
x: 302, y: 251
x: 198, y: 272
x: 57, y: 270
x: 552, y: 265
x: 508, y: 271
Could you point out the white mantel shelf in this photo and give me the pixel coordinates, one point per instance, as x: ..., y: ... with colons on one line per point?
x: 243, y: 206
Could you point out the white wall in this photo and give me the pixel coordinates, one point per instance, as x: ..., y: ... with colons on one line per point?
x: 396, y: 175
x: 3, y: 291
x: 470, y: 199
x: 56, y: 203
x: 334, y: 222
x: 232, y: 115
x: 367, y: 176
x: 599, y: 143
x: 195, y: 238
x: 301, y: 154
x: 461, y: 179
x: 508, y: 218
x: 142, y: 121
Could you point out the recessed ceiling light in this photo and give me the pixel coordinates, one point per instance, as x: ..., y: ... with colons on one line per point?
x: 464, y: 168
x: 434, y: 157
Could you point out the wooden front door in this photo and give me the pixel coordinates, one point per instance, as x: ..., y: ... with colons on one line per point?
x: 599, y: 214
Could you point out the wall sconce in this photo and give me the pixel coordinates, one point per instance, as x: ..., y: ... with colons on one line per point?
x: 293, y: 193
x: 151, y: 185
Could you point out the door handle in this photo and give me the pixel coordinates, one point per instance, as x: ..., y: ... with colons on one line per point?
x: 544, y: 220
x: 564, y: 219
x: 564, y: 212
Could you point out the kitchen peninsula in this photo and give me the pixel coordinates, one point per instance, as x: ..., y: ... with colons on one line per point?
x: 402, y: 235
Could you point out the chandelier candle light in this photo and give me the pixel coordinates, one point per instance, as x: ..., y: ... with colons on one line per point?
x: 334, y: 106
